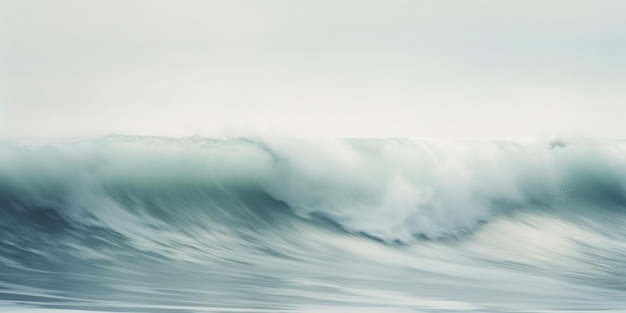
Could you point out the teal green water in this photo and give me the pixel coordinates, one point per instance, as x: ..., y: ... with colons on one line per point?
x: 149, y: 224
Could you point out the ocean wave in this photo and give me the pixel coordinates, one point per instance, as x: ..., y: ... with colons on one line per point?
x: 395, y: 190
x: 138, y: 224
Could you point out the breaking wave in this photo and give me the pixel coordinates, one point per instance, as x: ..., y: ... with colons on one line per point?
x: 393, y: 190
x: 115, y: 198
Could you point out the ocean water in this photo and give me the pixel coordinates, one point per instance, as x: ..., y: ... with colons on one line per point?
x: 150, y: 224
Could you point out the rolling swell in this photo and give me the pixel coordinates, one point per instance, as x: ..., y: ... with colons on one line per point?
x: 294, y: 213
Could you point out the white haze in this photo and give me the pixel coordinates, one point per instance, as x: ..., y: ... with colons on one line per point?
x: 451, y: 69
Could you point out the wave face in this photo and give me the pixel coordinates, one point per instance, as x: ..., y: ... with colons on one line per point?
x: 148, y: 224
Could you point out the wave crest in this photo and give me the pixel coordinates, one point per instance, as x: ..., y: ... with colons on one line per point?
x: 393, y: 190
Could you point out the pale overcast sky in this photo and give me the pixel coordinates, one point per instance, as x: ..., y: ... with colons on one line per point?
x: 449, y: 69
